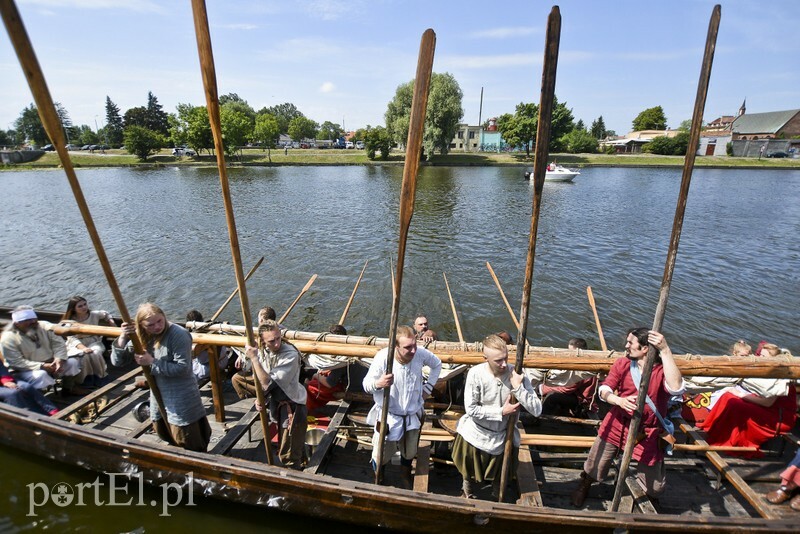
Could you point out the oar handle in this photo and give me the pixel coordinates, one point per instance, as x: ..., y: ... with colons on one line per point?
x: 294, y: 303
x: 596, y: 317
x: 235, y: 291
x: 453, y: 308
x: 352, y: 295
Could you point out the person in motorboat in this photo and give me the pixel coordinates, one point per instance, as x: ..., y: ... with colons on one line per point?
x: 168, y: 351
x: 92, y: 348
x: 277, y: 365
x: 36, y: 355
x: 478, y: 449
x: 407, y: 391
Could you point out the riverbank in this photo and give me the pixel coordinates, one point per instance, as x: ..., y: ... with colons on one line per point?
x: 259, y: 157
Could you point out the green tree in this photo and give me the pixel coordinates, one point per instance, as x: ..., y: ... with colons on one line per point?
x: 302, y: 128
x: 142, y: 142
x: 156, y: 118
x: 198, y: 131
x: 669, y: 146
x: 237, y: 128
x: 598, y: 128
x: 284, y: 113
x: 519, y: 129
x: 650, y: 119
x: 579, y: 141
x: 377, y: 139
x: 6, y: 138
x: 135, y: 117
x: 329, y: 130
x: 85, y: 136
x: 29, y: 127
x: 441, y: 119
x: 232, y: 101
x: 579, y: 125
x: 561, y: 124
x: 266, y: 131
x: 114, y: 125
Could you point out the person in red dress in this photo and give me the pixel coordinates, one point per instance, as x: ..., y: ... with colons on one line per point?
x: 620, y: 391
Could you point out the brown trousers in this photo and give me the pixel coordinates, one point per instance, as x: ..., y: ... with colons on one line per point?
x: 652, y: 478
x: 193, y: 437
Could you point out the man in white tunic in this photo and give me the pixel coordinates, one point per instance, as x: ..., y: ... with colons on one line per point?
x: 406, y: 402
x: 479, y: 446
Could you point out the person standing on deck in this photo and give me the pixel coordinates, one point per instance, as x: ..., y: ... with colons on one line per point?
x: 277, y: 366
x: 479, y: 445
x: 36, y: 355
x: 422, y: 331
x: 168, y: 352
x: 406, y: 398
x: 620, y: 389
x: 242, y: 381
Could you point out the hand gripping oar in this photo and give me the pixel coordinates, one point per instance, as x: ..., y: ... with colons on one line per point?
x: 236, y: 291
x: 212, y: 99
x: 596, y: 317
x: 302, y: 292
x: 546, y: 98
x: 419, y: 105
x: 352, y: 295
x: 669, y: 266
x: 453, y: 307
x: 52, y: 125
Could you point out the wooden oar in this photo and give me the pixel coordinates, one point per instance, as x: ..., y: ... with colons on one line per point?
x: 208, y: 70
x: 596, y: 318
x: 453, y: 307
x: 236, y: 291
x: 419, y: 106
x: 546, y: 100
x: 53, y: 127
x: 352, y: 295
x: 669, y: 267
x: 302, y: 292
x: 503, y: 294
x: 391, y: 272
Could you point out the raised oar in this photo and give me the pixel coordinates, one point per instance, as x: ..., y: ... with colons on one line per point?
x: 53, y: 127
x: 596, y: 318
x: 391, y: 272
x: 453, y: 307
x: 419, y: 106
x: 503, y: 294
x: 546, y: 99
x: 302, y: 292
x: 236, y: 291
x: 352, y: 295
x: 212, y: 100
x: 669, y: 266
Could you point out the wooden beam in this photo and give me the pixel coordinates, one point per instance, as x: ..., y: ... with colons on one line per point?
x: 83, y: 401
x: 529, y: 494
x: 315, y: 463
x: 422, y: 467
x: 755, y: 499
x: 640, y: 498
x: 234, y: 434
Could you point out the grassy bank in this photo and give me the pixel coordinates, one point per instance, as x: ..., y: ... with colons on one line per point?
x: 117, y: 158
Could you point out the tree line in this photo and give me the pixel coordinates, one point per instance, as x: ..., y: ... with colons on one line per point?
x: 145, y: 130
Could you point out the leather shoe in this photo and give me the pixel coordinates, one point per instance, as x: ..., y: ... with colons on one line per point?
x: 77, y: 391
x: 780, y: 495
x: 582, y: 491
x: 794, y: 504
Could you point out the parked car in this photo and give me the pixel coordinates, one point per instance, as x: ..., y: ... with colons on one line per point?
x: 360, y: 145
x: 48, y: 148
x: 86, y: 147
x: 72, y: 147
x: 349, y: 144
x: 183, y: 151
x: 778, y: 154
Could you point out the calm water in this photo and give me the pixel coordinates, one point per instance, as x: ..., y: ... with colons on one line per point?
x: 165, y: 234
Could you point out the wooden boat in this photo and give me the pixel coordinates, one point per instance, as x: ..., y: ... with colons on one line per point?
x: 556, y: 173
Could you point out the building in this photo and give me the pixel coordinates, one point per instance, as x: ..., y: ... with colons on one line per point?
x: 466, y: 139
x: 633, y: 142
x: 770, y: 125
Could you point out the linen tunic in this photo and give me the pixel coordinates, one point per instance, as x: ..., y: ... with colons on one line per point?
x: 406, y: 393
x: 172, y: 371
x: 614, y: 428
x: 283, y: 367
x: 484, y: 425
x: 88, y: 340
x: 22, y: 353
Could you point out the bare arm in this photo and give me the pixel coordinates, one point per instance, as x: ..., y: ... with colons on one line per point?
x: 672, y: 375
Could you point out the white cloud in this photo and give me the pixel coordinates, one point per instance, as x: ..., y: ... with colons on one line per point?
x: 241, y: 26
x: 483, y: 62
x: 504, y: 33
x: 327, y: 87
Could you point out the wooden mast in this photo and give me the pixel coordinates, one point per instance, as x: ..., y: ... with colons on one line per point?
x: 549, y: 68
x: 669, y: 267
x: 53, y: 127
x: 419, y: 106
x: 206, y: 54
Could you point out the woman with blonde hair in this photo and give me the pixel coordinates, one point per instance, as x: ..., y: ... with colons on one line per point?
x: 168, y: 352
x: 90, y: 348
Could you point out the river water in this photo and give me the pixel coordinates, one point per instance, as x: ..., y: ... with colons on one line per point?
x: 165, y: 234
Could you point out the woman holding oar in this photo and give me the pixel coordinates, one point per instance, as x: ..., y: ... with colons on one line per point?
x: 168, y: 353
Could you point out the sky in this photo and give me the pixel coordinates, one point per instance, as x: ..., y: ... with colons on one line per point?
x: 343, y: 61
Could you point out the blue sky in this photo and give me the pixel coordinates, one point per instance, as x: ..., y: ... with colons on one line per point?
x: 342, y: 61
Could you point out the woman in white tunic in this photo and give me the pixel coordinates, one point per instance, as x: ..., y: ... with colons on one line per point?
x: 90, y: 349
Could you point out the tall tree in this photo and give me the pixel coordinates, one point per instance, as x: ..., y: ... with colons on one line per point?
x: 377, y: 140
x: 580, y: 126
x: 136, y: 117
x: 114, y: 125
x: 29, y: 127
x: 441, y: 119
x: 142, y: 142
x: 330, y: 130
x: 561, y: 124
x: 266, y: 130
x: 302, y: 128
x: 519, y: 129
x: 599, y: 128
x: 156, y: 118
x: 284, y: 113
x: 579, y: 141
x: 234, y: 102
x: 650, y: 119
x: 237, y: 127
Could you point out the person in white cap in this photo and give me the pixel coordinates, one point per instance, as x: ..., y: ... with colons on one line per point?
x: 36, y: 355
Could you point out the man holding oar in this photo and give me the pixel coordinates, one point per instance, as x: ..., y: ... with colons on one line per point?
x: 478, y: 447
x: 621, y: 389
x: 406, y: 398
